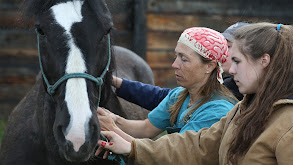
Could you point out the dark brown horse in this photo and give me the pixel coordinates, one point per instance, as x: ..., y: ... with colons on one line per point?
x: 56, y: 122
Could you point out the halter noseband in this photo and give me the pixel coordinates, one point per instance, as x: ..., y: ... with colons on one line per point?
x: 99, y: 80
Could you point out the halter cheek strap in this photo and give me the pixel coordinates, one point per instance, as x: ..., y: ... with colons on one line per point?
x: 99, y: 80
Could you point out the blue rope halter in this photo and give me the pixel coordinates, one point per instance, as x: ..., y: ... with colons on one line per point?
x: 99, y: 80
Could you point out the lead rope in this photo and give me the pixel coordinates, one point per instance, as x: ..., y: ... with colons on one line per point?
x: 113, y: 157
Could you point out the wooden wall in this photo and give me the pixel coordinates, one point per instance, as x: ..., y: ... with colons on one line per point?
x: 166, y: 19
x: 152, y: 31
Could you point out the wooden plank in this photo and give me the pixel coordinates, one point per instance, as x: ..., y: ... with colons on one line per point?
x: 7, y: 59
x: 18, y: 69
x: 229, y: 20
x: 187, y: 6
x: 13, y: 19
x: 160, y: 60
x: 123, y: 38
x: 13, y: 92
x: 122, y: 22
x: 165, y: 78
x: 18, y: 39
x: 18, y: 52
x: 17, y: 81
x: 171, y: 22
x: 162, y: 40
x: 220, y: 23
x: 161, y: 22
x: 10, y: 4
x: 228, y: 7
x: 161, y: 65
x: 10, y: 19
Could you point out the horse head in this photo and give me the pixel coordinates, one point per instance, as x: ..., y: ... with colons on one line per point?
x: 73, y: 41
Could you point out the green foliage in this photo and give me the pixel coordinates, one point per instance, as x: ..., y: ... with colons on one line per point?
x: 2, y: 127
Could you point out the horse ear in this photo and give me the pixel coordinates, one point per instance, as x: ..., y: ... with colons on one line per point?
x: 31, y: 8
x: 103, y: 13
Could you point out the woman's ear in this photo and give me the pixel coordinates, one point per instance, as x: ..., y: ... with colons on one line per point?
x: 265, y: 60
x: 211, y: 66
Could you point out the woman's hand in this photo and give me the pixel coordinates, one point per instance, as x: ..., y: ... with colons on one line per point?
x: 117, y: 144
x: 116, y: 81
x: 107, y: 123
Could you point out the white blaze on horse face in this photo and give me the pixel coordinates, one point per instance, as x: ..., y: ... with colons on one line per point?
x: 76, y: 96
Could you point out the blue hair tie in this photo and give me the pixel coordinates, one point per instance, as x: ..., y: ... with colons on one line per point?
x: 278, y: 27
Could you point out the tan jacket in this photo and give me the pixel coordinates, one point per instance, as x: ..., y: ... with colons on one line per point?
x: 210, y: 145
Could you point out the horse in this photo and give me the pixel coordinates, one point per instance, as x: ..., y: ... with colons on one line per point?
x: 56, y: 122
x: 129, y: 65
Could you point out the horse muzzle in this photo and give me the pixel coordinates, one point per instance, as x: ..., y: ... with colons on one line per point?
x: 76, y: 149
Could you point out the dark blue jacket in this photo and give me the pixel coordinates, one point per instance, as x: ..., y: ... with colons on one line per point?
x: 144, y: 95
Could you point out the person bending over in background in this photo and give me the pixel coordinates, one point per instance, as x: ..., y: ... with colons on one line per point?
x: 228, y: 78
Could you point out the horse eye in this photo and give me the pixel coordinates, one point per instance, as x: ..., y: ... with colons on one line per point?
x: 109, y: 30
x: 39, y: 30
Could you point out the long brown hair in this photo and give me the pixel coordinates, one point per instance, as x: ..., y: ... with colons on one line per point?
x: 254, y: 41
x: 207, y: 90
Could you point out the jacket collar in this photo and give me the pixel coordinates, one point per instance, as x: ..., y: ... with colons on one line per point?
x: 247, y: 99
x: 287, y: 100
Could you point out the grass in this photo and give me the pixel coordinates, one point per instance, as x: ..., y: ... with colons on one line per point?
x: 2, y: 127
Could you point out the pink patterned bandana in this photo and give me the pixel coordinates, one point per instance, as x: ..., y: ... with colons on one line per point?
x: 208, y: 43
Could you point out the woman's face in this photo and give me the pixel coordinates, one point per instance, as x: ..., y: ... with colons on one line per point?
x: 226, y: 65
x: 189, y: 70
x: 246, y: 72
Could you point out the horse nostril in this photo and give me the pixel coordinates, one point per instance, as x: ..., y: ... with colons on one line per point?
x: 94, y: 132
x: 92, y: 129
x: 60, y: 134
x: 66, y: 147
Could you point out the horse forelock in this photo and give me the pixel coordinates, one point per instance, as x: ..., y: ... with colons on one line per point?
x: 67, y: 13
x: 76, y: 96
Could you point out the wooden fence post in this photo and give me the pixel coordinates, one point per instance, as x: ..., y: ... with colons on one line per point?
x: 139, y: 33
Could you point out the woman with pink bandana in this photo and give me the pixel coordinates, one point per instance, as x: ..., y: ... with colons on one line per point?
x: 200, y: 101
x: 149, y: 96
